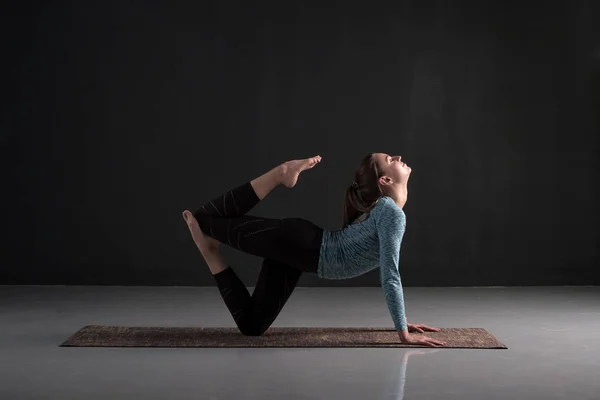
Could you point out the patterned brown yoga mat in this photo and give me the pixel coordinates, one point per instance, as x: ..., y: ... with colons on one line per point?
x: 125, y: 336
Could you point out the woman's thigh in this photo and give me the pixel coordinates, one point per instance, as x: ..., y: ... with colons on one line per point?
x: 293, y: 241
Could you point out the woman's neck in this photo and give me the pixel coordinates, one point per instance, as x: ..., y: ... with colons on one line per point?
x: 400, y: 195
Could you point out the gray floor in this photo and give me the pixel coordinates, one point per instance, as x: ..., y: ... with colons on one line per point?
x: 553, y: 335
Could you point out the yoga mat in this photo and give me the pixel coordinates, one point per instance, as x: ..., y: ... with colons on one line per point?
x: 137, y: 336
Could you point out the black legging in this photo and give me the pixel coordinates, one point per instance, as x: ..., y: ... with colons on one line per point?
x: 289, y: 246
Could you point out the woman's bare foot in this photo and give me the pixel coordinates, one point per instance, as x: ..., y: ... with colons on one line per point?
x: 205, y: 243
x: 208, y: 246
x: 290, y: 170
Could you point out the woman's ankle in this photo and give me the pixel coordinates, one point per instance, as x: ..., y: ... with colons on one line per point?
x: 215, y: 272
x: 215, y: 261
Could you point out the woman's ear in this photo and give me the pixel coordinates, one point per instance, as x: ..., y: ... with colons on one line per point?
x: 385, y: 180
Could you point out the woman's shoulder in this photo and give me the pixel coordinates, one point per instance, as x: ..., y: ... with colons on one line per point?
x: 387, y: 203
x: 388, y: 209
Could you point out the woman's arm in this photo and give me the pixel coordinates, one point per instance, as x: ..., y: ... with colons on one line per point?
x: 390, y: 229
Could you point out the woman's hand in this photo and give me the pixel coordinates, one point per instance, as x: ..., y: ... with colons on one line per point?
x: 420, y: 328
x: 407, y: 338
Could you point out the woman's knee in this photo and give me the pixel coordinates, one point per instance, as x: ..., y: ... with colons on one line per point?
x: 255, y: 326
x: 252, y: 330
x: 204, y: 221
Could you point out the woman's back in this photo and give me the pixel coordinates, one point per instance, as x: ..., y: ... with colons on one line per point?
x: 356, y: 249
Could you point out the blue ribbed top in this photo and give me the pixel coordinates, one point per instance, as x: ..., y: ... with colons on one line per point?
x: 366, y: 245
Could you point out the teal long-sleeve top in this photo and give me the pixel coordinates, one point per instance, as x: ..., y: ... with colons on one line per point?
x: 365, y: 245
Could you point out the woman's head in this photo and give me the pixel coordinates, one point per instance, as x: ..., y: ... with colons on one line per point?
x: 378, y: 174
x: 393, y: 171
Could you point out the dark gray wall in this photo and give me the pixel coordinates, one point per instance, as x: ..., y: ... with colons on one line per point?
x: 120, y: 114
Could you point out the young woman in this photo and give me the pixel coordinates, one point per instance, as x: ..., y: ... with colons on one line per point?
x: 372, y: 232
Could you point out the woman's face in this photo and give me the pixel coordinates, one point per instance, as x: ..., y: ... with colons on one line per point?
x: 392, y: 167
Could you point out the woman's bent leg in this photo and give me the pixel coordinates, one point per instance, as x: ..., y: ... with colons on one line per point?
x: 254, y: 314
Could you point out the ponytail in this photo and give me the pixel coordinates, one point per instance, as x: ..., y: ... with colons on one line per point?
x: 362, y: 195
